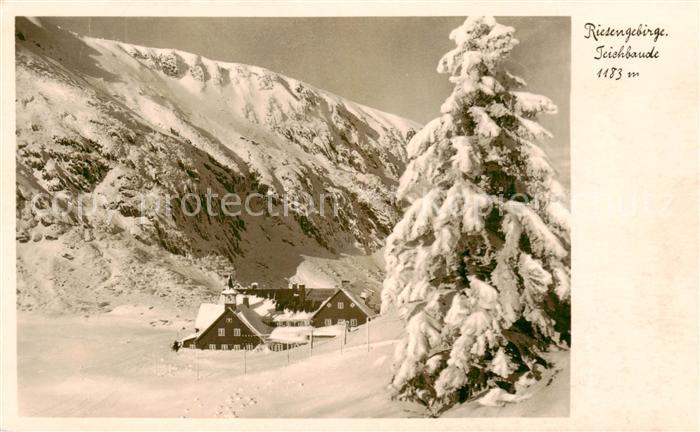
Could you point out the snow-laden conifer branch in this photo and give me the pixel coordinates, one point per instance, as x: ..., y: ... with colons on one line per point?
x: 479, y: 264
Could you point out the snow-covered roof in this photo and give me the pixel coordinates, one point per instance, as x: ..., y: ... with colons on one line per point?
x: 319, y: 294
x: 188, y: 337
x: 208, y: 314
x: 332, y: 330
x: 290, y: 334
x: 253, y: 321
x: 262, y: 306
x: 294, y: 316
x: 358, y: 302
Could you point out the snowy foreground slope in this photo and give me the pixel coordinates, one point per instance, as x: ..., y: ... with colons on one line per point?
x: 122, y: 121
x: 135, y: 374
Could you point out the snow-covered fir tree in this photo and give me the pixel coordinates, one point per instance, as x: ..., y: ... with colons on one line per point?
x: 479, y: 265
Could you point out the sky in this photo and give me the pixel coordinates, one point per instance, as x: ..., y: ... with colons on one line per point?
x: 387, y: 63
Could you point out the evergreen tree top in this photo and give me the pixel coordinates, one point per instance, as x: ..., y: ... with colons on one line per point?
x: 479, y: 262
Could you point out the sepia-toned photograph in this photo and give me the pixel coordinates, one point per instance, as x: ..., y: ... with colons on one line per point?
x: 293, y: 217
x: 349, y: 215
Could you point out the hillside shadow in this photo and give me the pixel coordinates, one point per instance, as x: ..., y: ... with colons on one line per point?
x: 66, y: 48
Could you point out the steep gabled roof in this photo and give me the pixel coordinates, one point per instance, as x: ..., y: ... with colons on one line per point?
x: 253, y: 321
x: 207, y: 315
x: 325, y: 302
x: 358, y: 302
x: 189, y: 337
x: 210, y: 313
x: 319, y: 294
x: 262, y: 306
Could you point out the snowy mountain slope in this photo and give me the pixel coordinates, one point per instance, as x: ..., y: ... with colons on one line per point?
x: 123, y: 121
x: 70, y: 275
x: 365, y: 273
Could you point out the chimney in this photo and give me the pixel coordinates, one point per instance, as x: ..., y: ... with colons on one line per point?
x: 345, y: 283
x: 254, y: 285
x: 302, y: 294
x: 246, y: 303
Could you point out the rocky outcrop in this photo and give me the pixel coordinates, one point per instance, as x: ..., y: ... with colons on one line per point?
x: 128, y: 124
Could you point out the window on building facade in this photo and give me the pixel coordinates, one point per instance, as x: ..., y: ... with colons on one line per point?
x: 236, y: 332
x: 224, y: 347
x: 340, y: 305
x: 222, y: 332
x: 249, y: 346
x: 212, y: 346
x: 236, y: 347
x: 229, y: 320
x: 329, y: 304
x: 341, y: 321
x: 353, y: 322
x: 352, y: 305
x: 328, y: 322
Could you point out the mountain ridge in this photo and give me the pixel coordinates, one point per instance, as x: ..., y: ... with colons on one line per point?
x: 122, y: 121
